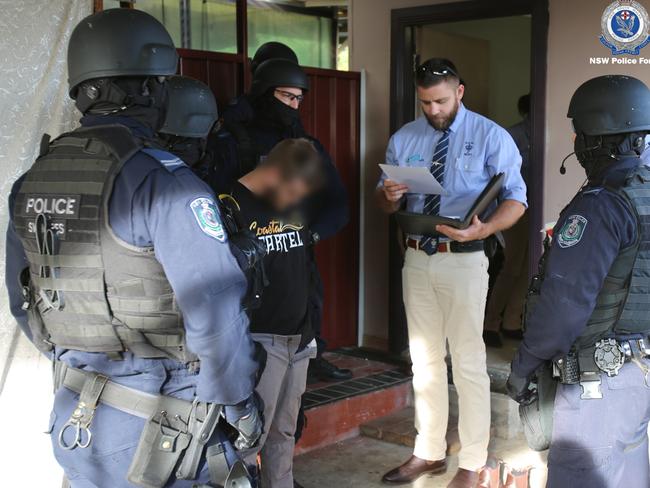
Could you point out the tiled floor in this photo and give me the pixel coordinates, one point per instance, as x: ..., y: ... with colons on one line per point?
x: 360, y: 463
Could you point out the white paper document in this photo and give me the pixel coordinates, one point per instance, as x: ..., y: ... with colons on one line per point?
x: 417, y: 178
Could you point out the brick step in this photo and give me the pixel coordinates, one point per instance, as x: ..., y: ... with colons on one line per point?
x: 335, y: 411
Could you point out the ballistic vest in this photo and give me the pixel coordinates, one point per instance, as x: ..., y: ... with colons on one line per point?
x: 623, y: 304
x: 86, y: 289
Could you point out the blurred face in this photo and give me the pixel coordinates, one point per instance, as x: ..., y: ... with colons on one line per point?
x: 440, y: 103
x: 288, y: 193
x: 289, y: 96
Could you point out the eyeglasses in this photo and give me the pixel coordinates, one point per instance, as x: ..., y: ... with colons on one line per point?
x: 437, y: 71
x: 290, y: 96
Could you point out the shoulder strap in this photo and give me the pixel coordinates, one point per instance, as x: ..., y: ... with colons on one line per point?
x: 167, y: 159
x: 118, y: 139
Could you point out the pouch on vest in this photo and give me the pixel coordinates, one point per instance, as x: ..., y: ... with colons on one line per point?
x: 537, y: 418
x: 40, y: 337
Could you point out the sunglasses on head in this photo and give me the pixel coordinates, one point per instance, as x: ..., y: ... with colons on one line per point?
x: 441, y: 70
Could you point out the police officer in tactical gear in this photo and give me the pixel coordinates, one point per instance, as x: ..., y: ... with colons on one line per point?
x: 587, y: 321
x: 240, y: 109
x: 277, y: 90
x: 190, y: 116
x: 118, y: 268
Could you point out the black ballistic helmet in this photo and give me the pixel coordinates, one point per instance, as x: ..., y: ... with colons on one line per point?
x: 191, y: 108
x: 119, y: 42
x: 278, y: 72
x: 272, y: 50
x: 612, y: 104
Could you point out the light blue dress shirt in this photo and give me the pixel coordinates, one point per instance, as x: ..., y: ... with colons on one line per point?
x: 478, y: 149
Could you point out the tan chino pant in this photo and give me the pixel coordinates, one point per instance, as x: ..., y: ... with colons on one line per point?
x: 444, y: 296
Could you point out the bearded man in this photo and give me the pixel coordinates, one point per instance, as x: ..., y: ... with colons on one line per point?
x: 445, y: 278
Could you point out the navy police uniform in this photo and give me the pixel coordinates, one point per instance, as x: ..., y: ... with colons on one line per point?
x: 150, y: 207
x: 599, y: 436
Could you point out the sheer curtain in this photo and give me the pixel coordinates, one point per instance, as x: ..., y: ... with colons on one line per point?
x: 33, y: 100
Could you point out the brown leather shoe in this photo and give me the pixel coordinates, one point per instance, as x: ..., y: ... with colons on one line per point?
x: 464, y: 479
x: 413, y: 469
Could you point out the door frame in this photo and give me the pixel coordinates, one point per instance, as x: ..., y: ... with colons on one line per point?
x: 402, y: 94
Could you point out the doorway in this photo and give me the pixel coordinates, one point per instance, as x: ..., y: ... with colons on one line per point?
x: 500, y: 51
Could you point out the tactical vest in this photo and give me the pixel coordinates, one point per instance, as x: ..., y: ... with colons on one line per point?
x: 86, y: 289
x: 623, y: 304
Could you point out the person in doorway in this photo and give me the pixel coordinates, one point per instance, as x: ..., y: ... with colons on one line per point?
x: 587, y: 323
x: 506, y: 303
x: 445, y: 278
x: 278, y: 88
x: 267, y: 201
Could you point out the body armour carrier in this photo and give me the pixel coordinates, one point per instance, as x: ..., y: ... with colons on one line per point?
x: 85, y: 288
x: 623, y: 304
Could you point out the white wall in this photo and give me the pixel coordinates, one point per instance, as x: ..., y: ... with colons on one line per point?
x: 570, y: 45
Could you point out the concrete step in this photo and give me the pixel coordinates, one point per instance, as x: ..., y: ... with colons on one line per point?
x: 399, y: 428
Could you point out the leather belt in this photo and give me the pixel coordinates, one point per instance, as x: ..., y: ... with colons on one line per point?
x: 450, y: 246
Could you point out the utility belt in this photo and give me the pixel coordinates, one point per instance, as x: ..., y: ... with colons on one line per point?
x: 585, y: 366
x: 176, y: 436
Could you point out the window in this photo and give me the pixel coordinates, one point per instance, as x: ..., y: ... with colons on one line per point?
x: 317, y: 35
x: 206, y: 25
x: 309, y: 32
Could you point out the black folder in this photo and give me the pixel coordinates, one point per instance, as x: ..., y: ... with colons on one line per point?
x: 424, y: 225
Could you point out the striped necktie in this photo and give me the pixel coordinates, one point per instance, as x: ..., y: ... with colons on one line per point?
x: 432, y: 202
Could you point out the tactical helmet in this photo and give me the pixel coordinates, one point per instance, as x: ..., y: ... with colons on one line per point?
x: 611, y: 104
x: 119, y: 42
x: 272, y: 50
x: 191, y: 108
x: 278, y: 72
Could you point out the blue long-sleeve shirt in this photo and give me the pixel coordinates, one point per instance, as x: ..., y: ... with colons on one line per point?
x: 151, y: 206
x: 478, y: 149
x: 603, y: 226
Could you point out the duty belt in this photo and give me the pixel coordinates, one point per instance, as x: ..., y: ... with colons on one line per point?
x: 192, y: 421
x: 585, y: 366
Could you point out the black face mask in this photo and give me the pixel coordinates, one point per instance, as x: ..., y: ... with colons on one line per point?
x: 142, y: 99
x: 274, y: 112
x: 596, y: 153
x: 190, y: 150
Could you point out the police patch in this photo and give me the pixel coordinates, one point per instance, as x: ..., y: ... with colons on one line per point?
x: 207, y: 216
x: 572, y: 231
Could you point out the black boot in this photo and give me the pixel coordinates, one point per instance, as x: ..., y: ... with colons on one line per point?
x: 320, y: 369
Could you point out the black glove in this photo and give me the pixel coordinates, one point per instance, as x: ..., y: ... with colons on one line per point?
x: 521, y: 390
x: 246, y: 418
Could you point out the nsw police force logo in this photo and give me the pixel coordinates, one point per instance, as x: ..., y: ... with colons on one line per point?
x: 625, y: 27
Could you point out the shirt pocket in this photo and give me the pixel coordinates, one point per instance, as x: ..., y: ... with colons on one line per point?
x: 465, y: 172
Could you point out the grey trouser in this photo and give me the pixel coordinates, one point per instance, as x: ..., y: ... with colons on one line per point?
x: 281, y: 387
x: 602, y: 443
